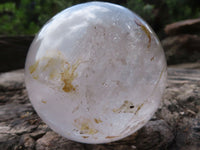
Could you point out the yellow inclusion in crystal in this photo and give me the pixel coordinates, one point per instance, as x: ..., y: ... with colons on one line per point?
x: 68, y: 75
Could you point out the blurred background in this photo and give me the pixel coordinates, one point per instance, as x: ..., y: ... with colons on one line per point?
x: 176, y: 22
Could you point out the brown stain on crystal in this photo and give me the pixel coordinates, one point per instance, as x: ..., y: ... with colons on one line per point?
x: 161, y: 74
x: 98, y: 120
x: 35, y: 77
x: 126, y: 107
x: 49, y: 63
x: 152, y: 58
x: 75, y: 109
x: 85, y: 137
x: 48, y: 66
x: 52, y: 75
x: 146, y: 31
x: 85, y: 126
x: 57, y: 67
x: 111, y: 137
x: 68, y: 76
x: 33, y: 67
x: 139, y: 107
x: 43, y: 101
x: 125, y: 130
x: 86, y: 129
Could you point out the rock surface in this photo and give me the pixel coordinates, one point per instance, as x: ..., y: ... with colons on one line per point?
x: 175, y: 126
x: 183, y: 43
x: 182, y: 48
x: 190, y: 26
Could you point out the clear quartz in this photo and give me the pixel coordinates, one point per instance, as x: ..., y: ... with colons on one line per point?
x: 95, y: 72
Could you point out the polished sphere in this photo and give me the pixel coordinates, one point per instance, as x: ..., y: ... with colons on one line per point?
x: 95, y: 72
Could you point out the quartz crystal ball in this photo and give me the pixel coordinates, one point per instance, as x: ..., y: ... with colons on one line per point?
x: 95, y: 72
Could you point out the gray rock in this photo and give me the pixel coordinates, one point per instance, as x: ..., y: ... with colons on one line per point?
x: 27, y: 142
x: 191, y: 26
x: 182, y: 48
x: 52, y: 141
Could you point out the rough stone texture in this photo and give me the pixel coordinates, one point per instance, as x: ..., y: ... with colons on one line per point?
x: 182, y: 48
x: 187, y: 66
x: 175, y: 126
x: 182, y: 44
x: 183, y: 27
